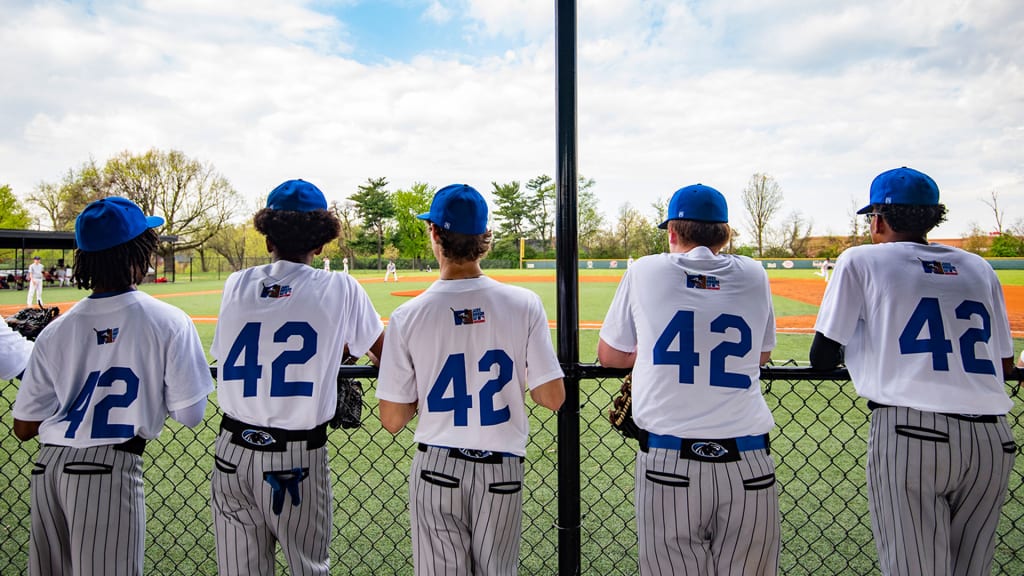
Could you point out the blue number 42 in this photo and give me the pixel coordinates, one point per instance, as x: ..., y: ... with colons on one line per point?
x: 927, y: 317
x: 681, y: 328
x: 453, y: 377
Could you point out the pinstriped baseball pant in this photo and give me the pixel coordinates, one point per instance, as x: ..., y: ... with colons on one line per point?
x: 936, y: 486
x: 466, y: 516
x: 244, y: 523
x: 703, y: 518
x: 88, y: 512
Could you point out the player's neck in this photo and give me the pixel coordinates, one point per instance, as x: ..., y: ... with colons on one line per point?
x: 461, y: 270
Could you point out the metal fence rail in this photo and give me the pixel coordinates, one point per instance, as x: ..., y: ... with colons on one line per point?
x: 818, y: 444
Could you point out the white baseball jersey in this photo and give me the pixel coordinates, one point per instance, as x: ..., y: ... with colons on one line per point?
x: 14, y: 352
x: 279, y: 341
x: 112, y: 368
x: 467, y: 350
x: 35, y: 271
x: 924, y: 327
x: 698, y: 323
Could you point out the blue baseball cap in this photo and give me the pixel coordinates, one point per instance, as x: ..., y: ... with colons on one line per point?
x: 902, y: 186
x: 459, y: 208
x: 110, y: 221
x: 697, y: 202
x: 296, y: 196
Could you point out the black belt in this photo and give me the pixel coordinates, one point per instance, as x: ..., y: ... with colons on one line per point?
x: 980, y: 418
x: 705, y: 450
x: 272, y: 439
x: 135, y: 445
x: 482, y: 456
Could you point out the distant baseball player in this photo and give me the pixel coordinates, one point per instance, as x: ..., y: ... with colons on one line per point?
x: 392, y: 270
x: 457, y: 355
x: 927, y: 344
x: 280, y: 338
x: 35, y: 282
x: 695, y: 325
x: 100, y: 383
x: 14, y: 352
x: 826, y: 264
x: 327, y: 264
x: 344, y: 265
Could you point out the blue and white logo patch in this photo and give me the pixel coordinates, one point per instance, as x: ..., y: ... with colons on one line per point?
x: 257, y: 437
x: 709, y: 450
x: 475, y: 454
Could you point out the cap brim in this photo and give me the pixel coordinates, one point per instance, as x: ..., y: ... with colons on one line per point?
x: 865, y: 209
x: 664, y: 225
x: 154, y: 221
x: 424, y: 216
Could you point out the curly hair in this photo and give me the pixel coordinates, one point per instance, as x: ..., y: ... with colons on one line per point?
x: 297, y: 233
x: 714, y: 235
x: 117, y: 267
x: 460, y: 248
x: 911, y: 218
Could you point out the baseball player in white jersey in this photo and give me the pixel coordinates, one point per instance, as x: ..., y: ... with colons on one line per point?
x: 35, y: 282
x: 100, y: 382
x: 280, y: 338
x: 927, y: 343
x: 458, y: 355
x: 14, y: 352
x: 695, y: 326
x: 391, y: 271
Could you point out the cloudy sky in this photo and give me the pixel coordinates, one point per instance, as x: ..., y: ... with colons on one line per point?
x: 821, y: 95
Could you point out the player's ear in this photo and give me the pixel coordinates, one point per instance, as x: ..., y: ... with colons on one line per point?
x: 270, y: 245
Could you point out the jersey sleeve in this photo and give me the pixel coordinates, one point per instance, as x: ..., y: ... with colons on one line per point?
x: 14, y: 352
x: 397, y: 379
x: 187, y: 377
x: 367, y: 325
x: 619, y: 329
x: 217, y: 347
x: 541, y: 362
x: 843, y: 304
x: 37, y: 397
x: 1002, y: 340
x: 769, y: 340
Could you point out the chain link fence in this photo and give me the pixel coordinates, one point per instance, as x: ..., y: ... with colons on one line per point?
x: 819, y: 445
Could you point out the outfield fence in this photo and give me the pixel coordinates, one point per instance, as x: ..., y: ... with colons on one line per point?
x: 819, y: 446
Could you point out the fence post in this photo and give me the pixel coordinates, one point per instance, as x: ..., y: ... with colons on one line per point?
x: 567, y: 283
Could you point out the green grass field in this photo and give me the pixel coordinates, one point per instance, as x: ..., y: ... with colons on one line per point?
x: 818, y: 445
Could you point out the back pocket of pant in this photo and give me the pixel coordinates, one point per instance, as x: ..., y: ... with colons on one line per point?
x: 666, y: 479
x: 918, y: 433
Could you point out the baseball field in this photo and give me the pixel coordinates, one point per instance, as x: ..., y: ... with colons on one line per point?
x: 797, y: 294
x: 819, y: 446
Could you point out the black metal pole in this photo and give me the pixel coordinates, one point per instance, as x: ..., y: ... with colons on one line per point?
x: 567, y: 285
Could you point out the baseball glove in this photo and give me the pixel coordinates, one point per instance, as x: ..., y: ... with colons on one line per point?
x: 348, y: 413
x: 621, y: 413
x: 29, y: 322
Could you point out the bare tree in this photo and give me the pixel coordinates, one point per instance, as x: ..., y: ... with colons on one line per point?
x: 796, y: 235
x: 762, y: 199
x: 993, y: 204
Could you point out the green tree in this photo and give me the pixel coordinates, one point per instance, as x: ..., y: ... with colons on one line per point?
x: 236, y: 243
x: 376, y: 208
x: 541, y: 215
x: 63, y: 201
x: 590, y: 220
x: 1006, y: 245
x: 411, y: 233
x: 12, y: 213
x: 512, y: 210
x: 348, y: 215
x: 192, y: 197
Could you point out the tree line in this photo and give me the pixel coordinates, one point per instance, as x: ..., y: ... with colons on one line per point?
x: 208, y: 216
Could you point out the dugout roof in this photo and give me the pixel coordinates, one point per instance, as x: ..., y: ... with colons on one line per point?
x: 44, y: 240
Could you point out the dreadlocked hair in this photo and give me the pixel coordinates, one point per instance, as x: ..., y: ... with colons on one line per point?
x: 714, y: 235
x: 117, y: 267
x: 911, y: 218
x: 460, y: 248
x: 297, y: 233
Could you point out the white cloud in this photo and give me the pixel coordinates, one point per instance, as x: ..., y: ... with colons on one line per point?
x: 822, y: 96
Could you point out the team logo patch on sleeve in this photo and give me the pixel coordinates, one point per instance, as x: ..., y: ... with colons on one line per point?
x: 468, y: 316
x: 702, y: 282
x: 107, y: 336
x: 275, y: 291
x: 937, y: 267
